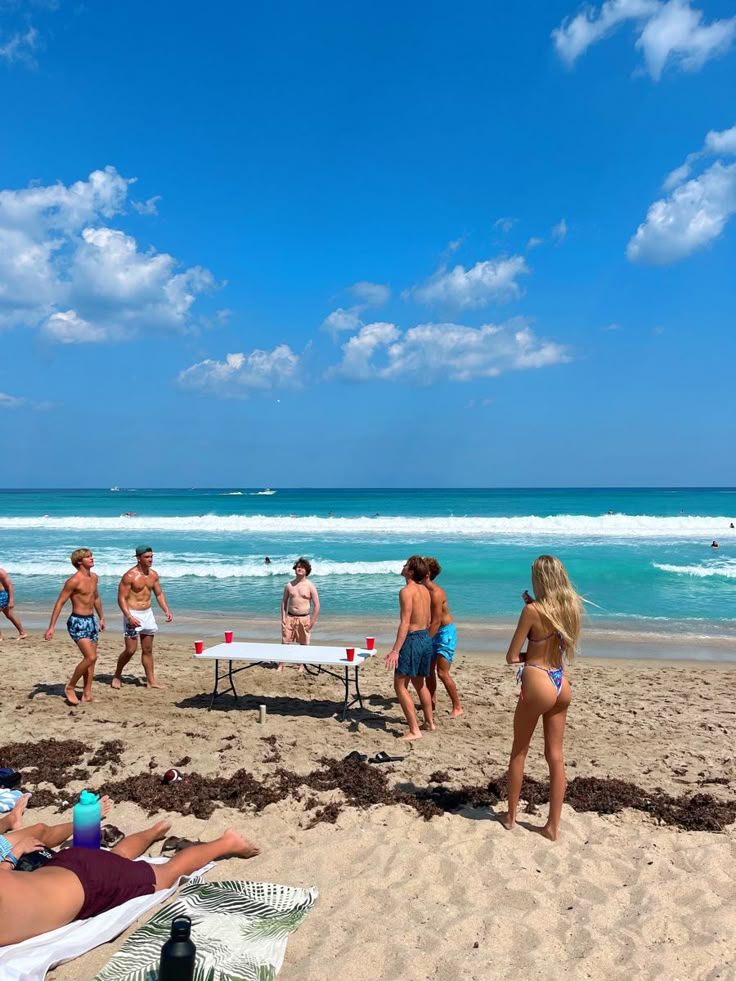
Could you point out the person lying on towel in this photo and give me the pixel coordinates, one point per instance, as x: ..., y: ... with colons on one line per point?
x: 81, y: 882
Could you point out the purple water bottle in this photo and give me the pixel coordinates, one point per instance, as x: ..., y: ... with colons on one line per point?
x: 87, y: 816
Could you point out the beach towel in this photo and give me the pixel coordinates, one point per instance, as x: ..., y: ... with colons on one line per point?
x: 240, y: 930
x: 8, y: 799
x: 31, y: 959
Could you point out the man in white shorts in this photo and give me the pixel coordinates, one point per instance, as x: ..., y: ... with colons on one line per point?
x: 134, y: 599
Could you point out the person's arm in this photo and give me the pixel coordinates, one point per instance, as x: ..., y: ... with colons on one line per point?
x: 20, y: 848
x: 284, y: 601
x: 161, y: 599
x: 436, y: 602
x: 124, y: 599
x: 315, y: 604
x: 98, y: 604
x: 64, y: 595
x: 392, y: 658
x: 526, y: 621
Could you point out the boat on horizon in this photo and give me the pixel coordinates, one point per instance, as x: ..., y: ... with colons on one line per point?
x: 114, y: 489
x: 267, y: 492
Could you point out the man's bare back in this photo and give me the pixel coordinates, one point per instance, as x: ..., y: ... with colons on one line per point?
x: 417, y: 597
x: 441, y: 615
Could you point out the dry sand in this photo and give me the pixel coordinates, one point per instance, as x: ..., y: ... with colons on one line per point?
x: 455, y: 897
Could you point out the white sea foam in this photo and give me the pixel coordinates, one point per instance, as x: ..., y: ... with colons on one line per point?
x: 207, y: 568
x: 583, y: 527
x: 725, y: 568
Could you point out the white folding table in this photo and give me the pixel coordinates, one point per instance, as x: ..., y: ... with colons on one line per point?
x: 322, y: 658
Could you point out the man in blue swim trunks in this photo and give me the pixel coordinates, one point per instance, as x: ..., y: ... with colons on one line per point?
x: 444, y: 639
x: 7, y: 603
x: 81, y: 589
x: 411, y: 656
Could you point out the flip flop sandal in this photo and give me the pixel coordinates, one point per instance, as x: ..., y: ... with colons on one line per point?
x: 111, y: 836
x: 355, y: 757
x: 174, y: 844
x: 385, y: 758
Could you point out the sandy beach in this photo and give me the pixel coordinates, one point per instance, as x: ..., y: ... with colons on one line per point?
x: 402, y: 897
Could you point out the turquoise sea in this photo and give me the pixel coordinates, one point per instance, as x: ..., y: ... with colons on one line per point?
x: 641, y: 557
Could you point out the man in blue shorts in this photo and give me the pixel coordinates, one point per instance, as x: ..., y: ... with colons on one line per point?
x: 411, y: 656
x: 81, y: 589
x: 444, y: 639
x: 7, y: 603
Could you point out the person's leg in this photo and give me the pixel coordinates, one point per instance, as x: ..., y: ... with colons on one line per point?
x: 432, y: 683
x: 133, y: 846
x: 190, y: 859
x: 147, y: 660
x: 88, y: 650
x: 16, y: 623
x: 554, y: 733
x: 425, y: 700
x: 401, y: 687
x: 131, y: 643
x: 538, y: 697
x: 12, y: 820
x: 443, y: 670
x: 89, y: 677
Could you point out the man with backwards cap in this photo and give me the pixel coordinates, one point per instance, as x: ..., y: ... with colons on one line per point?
x: 134, y: 599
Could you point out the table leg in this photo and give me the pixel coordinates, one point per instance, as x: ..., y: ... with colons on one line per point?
x: 357, y: 690
x: 232, y: 680
x: 217, y: 681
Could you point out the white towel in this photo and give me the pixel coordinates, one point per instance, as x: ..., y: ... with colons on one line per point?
x: 31, y: 959
x: 8, y: 799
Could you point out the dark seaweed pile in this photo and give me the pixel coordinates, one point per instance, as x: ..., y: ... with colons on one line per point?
x: 359, y: 784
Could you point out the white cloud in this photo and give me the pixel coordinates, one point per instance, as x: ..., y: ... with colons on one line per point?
x: 668, y: 31
x: 430, y: 352
x: 148, y: 207
x: 485, y: 282
x: 239, y: 374
x: 534, y: 243
x: 559, y: 231
x: 696, y: 210
x: 18, y: 402
x: 505, y: 224
x: 346, y: 319
x: 20, y: 47
x: 64, y: 269
x: 612, y: 327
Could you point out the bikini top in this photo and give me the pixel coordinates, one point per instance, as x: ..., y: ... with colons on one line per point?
x: 541, y: 640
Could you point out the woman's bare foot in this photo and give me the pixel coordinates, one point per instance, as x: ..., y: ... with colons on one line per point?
x: 116, y: 682
x: 15, y: 815
x: 161, y: 829
x: 23, y: 636
x: 71, y: 696
x: 426, y: 727
x: 508, y: 822
x: 105, y: 805
x: 457, y: 712
x: 410, y: 735
x: 87, y: 698
x: 237, y: 845
x: 547, y: 832
x: 153, y: 684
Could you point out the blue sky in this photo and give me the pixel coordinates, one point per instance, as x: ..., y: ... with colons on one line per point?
x: 367, y: 244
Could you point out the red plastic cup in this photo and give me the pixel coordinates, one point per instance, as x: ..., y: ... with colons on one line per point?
x: 350, y: 651
x: 228, y: 636
x: 198, y: 646
x: 370, y: 643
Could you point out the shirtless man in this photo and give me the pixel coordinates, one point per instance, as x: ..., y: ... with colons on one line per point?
x: 83, y: 629
x: 411, y: 656
x: 7, y: 602
x: 443, y: 632
x: 81, y: 882
x: 299, y: 607
x: 134, y: 599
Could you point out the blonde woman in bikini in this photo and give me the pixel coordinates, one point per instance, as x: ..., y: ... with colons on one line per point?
x: 550, y: 624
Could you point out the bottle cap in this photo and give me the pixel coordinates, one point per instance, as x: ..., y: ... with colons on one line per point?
x: 181, y: 927
x: 87, y: 797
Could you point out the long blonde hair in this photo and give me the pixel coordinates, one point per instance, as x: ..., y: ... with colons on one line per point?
x: 556, y: 599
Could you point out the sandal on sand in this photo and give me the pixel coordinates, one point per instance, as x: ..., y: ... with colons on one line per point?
x: 111, y: 836
x: 355, y: 757
x: 175, y: 844
x: 385, y: 758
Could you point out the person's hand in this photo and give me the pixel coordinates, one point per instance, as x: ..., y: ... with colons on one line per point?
x: 10, y: 606
x: 102, y: 623
x: 49, y: 634
x: 392, y: 659
x: 133, y: 622
x: 26, y: 845
x: 169, y: 617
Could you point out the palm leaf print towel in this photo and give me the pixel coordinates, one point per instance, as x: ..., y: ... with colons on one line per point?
x: 240, y: 930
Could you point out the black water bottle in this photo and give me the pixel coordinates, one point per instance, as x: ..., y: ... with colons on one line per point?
x: 178, y: 953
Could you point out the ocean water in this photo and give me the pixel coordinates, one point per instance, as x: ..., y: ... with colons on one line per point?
x: 640, y: 557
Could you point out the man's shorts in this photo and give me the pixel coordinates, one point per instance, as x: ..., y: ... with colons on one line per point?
x: 148, y: 625
x: 83, y: 627
x: 296, y: 630
x: 444, y: 642
x: 415, y: 656
x: 4, y: 599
